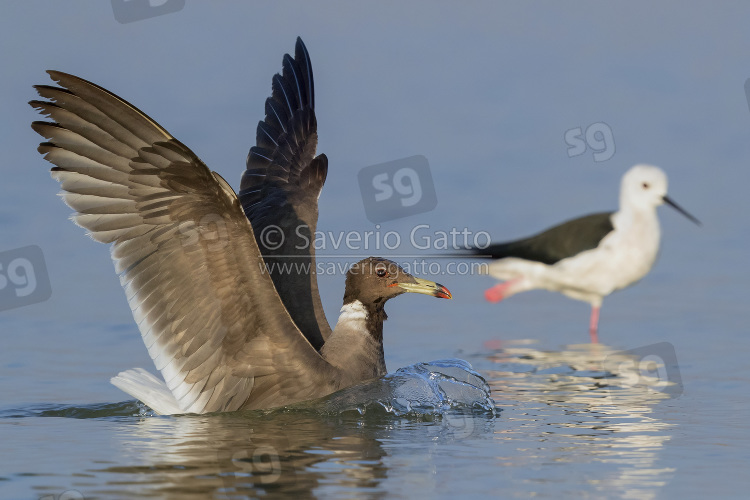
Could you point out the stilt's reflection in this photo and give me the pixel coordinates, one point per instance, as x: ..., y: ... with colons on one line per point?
x: 607, y: 400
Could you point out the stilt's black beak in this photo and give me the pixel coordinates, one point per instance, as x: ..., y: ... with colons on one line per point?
x: 684, y: 212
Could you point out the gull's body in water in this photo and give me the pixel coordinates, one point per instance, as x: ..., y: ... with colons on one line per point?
x: 226, y: 329
x: 590, y: 257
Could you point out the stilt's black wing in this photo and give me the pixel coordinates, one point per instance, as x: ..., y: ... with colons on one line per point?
x: 280, y: 189
x: 557, y: 243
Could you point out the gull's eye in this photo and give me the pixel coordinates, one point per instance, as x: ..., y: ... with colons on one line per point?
x: 646, y: 185
x: 381, y: 272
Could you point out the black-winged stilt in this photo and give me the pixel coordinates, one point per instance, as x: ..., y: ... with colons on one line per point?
x: 592, y: 256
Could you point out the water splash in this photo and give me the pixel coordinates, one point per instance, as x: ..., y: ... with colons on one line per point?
x: 423, y: 388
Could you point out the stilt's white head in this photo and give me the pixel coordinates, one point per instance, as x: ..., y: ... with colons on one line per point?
x: 643, y: 187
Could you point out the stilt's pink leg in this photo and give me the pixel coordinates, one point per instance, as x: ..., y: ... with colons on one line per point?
x: 497, y: 292
x: 594, y: 325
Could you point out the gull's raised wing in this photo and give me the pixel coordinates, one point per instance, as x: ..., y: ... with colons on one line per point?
x: 280, y: 189
x: 185, y: 252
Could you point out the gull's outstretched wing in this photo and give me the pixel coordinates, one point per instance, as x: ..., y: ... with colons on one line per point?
x: 185, y: 252
x: 557, y: 243
x: 280, y: 189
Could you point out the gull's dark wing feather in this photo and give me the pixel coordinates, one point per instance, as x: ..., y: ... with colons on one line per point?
x: 280, y: 189
x: 184, y: 250
x: 557, y: 243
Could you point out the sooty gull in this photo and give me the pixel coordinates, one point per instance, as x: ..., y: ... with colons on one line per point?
x: 213, y: 321
x: 592, y: 256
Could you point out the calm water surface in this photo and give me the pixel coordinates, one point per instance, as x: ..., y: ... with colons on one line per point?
x: 570, y: 422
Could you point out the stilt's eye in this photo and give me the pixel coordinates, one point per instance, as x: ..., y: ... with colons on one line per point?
x: 381, y: 272
x: 646, y: 185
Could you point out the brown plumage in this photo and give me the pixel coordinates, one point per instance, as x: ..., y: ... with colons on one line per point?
x: 187, y: 257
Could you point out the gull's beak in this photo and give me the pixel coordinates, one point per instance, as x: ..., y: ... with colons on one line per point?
x: 426, y: 287
x: 684, y: 212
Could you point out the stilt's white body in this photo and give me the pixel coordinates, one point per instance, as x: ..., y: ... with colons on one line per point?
x: 622, y: 258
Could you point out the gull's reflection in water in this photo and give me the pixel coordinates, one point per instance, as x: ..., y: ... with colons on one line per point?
x: 333, y: 444
x: 245, y: 455
x: 291, y: 453
x: 589, y: 404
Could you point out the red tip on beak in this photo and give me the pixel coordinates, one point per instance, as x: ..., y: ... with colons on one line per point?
x: 442, y: 292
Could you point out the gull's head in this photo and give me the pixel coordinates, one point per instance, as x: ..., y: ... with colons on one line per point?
x: 644, y: 187
x: 374, y: 280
